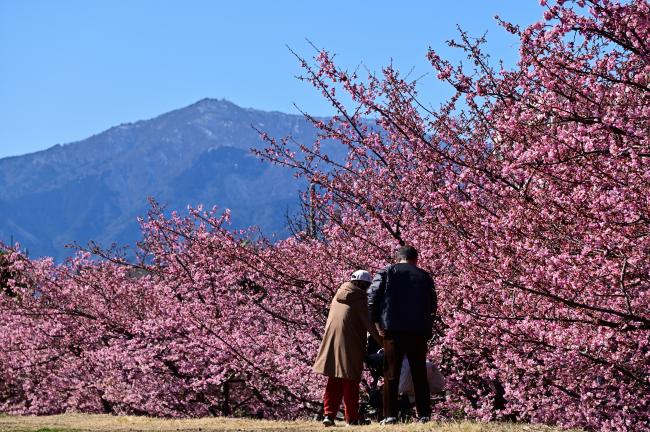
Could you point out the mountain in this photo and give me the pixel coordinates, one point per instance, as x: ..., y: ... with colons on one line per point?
x: 96, y: 188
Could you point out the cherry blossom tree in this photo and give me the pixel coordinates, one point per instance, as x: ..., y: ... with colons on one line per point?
x: 527, y: 194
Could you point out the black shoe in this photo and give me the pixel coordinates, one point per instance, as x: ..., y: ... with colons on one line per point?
x: 328, y: 421
x: 360, y: 422
x: 423, y: 419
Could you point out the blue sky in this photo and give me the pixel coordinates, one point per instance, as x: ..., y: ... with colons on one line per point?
x: 70, y: 69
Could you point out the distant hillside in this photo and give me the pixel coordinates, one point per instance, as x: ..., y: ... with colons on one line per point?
x: 95, y: 188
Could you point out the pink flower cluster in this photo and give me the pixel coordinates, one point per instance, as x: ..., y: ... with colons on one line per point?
x: 527, y: 194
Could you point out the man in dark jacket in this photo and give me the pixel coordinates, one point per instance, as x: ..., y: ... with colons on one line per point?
x: 403, y: 302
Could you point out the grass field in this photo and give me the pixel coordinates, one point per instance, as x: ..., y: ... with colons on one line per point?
x: 107, y: 423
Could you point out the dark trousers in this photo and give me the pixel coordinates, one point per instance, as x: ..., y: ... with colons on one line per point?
x: 414, y: 347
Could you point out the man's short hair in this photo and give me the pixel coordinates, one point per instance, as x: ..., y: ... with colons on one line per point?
x: 407, y: 253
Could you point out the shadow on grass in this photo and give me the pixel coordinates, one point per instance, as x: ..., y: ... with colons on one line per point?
x: 54, y: 429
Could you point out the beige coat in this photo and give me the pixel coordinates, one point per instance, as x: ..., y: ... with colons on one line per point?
x: 344, y: 342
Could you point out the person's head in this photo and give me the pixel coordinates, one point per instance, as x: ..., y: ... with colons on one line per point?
x: 361, y: 279
x: 407, y: 254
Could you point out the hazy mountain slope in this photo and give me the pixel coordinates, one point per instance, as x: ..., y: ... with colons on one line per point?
x: 95, y: 188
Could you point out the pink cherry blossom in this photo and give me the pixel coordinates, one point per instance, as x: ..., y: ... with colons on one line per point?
x: 527, y: 194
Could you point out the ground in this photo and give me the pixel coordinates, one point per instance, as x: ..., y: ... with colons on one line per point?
x: 108, y: 423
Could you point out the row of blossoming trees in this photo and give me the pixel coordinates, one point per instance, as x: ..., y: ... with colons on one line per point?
x: 527, y: 193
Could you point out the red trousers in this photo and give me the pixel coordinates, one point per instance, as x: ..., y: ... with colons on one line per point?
x: 346, y: 389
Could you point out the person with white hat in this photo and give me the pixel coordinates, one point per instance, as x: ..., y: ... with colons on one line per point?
x: 343, y: 347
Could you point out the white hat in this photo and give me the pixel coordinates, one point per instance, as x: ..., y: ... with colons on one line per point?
x: 361, y: 275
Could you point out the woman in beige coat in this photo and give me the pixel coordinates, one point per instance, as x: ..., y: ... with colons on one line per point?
x: 341, y: 352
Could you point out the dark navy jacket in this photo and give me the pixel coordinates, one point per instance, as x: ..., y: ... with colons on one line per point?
x: 402, y: 298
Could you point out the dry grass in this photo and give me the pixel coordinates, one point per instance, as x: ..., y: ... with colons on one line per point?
x: 107, y: 423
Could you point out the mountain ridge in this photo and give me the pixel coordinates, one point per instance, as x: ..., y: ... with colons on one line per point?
x: 132, y: 123
x: 94, y: 189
